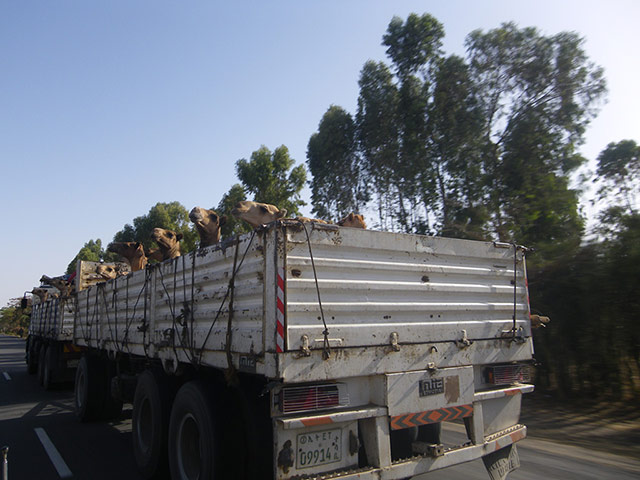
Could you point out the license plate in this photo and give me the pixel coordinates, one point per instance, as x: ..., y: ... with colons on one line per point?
x: 319, y: 448
x: 73, y: 363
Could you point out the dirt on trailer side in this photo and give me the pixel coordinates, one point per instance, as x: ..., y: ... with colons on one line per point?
x: 612, y: 427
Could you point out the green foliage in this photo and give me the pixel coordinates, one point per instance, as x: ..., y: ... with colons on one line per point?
x: 592, y: 346
x: 91, y: 252
x: 618, y: 171
x: 481, y: 147
x: 13, y: 319
x: 272, y: 178
x: 233, y: 226
x: 337, y: 186
x: 537, y: 95
x: 170, y: 216
x: 413, y: 44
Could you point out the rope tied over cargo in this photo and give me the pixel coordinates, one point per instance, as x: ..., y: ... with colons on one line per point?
x: 226, y: 296
x: 326, y: 347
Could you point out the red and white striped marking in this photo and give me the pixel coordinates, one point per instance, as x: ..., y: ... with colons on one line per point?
x: 280, y: 312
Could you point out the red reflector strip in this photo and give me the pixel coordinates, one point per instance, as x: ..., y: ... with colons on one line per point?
x: 431, y: 416
x: 508, y: 374
x: 280, y: 311
x: 310, y: 398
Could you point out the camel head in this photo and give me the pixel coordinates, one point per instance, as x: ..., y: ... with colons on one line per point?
x: 108, y: 272
x: 353, y: 220
x: 207, y: 224
x: 132, y: 252
x: 63, y: 286
x: 256, y: 214
x: 41, y: 293
x: 168, y: 241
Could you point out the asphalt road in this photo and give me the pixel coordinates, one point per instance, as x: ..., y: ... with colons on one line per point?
x: 47, y: 442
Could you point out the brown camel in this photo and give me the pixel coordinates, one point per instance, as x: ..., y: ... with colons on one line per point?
x: 60, y: 283
x: 168, y: 242
x: 132, y: 252
x: 41, y: 293
x: 109, y: 271
x: 207, y: 224
x: 353, y: 220
x: 256, y: 214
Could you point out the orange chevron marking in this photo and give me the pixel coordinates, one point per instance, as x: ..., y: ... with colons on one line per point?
x: 430, y: 416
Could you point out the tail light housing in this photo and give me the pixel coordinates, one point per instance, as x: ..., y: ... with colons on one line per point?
x: 309, y: 398
x: 507, y: 374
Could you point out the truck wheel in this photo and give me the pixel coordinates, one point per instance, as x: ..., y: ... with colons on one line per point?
x: 90, y: 389
x: 41, y: 354
x: 48, y: 364
x: 193, y: 435
x: 150, y: 421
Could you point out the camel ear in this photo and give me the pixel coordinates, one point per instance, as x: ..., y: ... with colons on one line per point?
x: 138, y: 245
x: 282, y: 213
x: 223, y: 220
x: 179, y: 236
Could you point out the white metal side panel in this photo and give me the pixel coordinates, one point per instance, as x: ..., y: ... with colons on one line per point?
x: 114, y: 314
x: 53, y: 319
x: 424, y: 289
x: 36, y: 324
x: 178, y: 310
x: 192, y: 297
x: 62, y: 329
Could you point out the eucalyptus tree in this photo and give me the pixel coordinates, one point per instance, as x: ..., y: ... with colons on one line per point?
x: 619, y: 174
x: 537, y: 94
x: 338, y: 184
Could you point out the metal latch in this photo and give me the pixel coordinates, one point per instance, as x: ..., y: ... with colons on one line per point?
x: 304, y: 349
x: 393, y: 339
x: 464, y: 342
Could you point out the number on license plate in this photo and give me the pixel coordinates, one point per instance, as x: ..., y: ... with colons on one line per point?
x: 319, y: 448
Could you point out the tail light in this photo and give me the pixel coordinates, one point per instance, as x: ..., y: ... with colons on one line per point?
x: 507, y: 374
x: 311, y: 397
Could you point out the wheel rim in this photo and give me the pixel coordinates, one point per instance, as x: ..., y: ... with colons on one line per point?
x: 189, y: 460
x: 144, y: 426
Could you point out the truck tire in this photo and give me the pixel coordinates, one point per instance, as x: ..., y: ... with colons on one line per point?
x: 42, y: 351
x: 194, y: 437
x: 90, y: 389
x: 150, y: 422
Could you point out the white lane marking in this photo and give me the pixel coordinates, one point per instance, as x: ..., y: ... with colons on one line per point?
x: 53, y: 453
x: 6, y: 375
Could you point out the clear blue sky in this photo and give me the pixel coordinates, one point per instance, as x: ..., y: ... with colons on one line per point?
x: 107, y: 108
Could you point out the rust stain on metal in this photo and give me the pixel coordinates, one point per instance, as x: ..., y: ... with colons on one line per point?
x: 285, y: 457
x: 452, y: 389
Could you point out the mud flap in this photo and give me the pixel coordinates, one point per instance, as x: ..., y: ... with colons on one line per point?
x: 502, y: 462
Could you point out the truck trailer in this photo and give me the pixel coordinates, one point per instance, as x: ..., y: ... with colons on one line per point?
x: 308, y: 351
